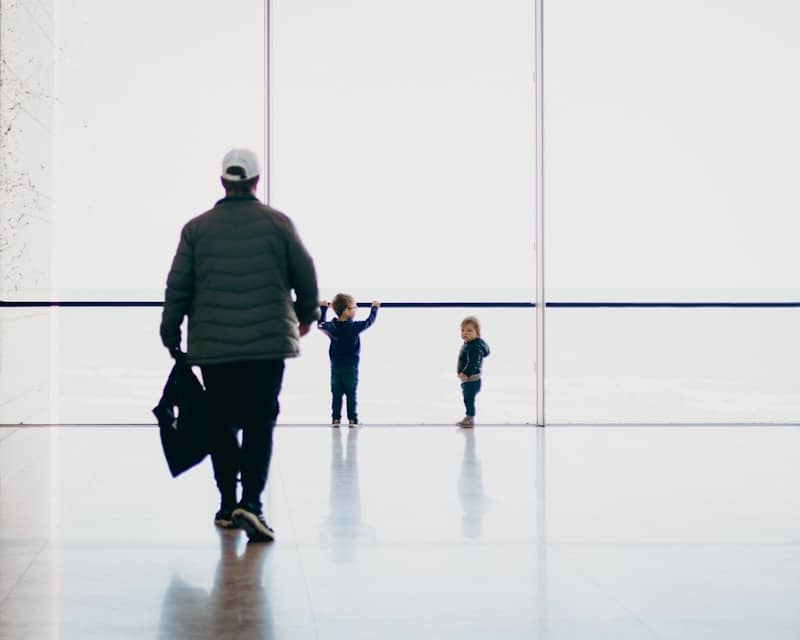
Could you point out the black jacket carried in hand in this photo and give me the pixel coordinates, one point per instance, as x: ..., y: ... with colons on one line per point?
x: 183, y: 420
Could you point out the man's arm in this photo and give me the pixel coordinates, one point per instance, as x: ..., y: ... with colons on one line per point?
x: 322, y: 324
x: 323, y: 307
x: 302, y: 279
x: 178, y: 294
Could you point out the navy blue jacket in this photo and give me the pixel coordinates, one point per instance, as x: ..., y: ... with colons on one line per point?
x: 471, y: 356
x: 345, y: 346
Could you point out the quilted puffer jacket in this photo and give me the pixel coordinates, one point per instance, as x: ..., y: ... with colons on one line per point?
x: 233, y: 276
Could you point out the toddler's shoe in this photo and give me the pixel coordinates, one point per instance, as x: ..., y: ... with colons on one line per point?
x: 467, y: 422
x: 335, y: 424
x: 353, y: 424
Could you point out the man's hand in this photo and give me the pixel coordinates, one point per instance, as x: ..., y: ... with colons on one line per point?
x: 176, y: 353
x: 375, y: 303
x: 324, y: 303
x: 462, y: 377
x: 304, y: 329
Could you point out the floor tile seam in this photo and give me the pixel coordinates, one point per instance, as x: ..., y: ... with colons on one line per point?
x: 31, y: 463
x: 302, y: 425
x: 522, y: 545
x: 437, y: 545
x: 406, y: 425
x: 80, y: 425
x: 23, y: 573
x: 670, y: 544
x: 624, y: 607
x: 442, y: 425
x: 590, y: 577
x: 296, y: 547
x: 22, y: 316
x: 103, y: 546
x: 11, y: 432
x: 83, y: 492
x: 29, y: 390
x: 672, y: 425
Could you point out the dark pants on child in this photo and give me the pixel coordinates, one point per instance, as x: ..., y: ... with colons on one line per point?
x: 243, y: 395
x: 344, y: 381
x: 469, y: 390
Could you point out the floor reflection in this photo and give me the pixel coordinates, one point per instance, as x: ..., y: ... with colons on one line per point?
x: 342, y: 529
x: 540, y: 491
x: 474, y: 503
x: 589, y: 533
x: 238, y: 604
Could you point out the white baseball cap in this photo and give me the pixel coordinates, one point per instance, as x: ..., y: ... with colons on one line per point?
x: 239, y: 165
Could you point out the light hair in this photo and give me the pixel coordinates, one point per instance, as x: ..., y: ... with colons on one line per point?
x: 342, y: 302
x: 474, y: 322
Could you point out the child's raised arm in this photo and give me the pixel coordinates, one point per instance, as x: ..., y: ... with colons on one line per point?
x: 361, y: 325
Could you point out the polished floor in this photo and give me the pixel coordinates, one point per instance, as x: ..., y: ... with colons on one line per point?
x: 409, y: 532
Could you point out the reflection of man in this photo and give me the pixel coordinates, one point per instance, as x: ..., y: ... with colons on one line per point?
x: 343, y: 527
x: 470, y: 490
x: 233, y: 276
x: 237, y: 600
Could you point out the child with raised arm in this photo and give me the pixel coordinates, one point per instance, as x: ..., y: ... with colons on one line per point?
x: 470, y: 359
x: 344, y: 352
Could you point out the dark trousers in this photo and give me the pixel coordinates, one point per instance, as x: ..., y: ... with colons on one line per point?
x: 243, y: 395
x: 469, y: 390
x: 344, y: 382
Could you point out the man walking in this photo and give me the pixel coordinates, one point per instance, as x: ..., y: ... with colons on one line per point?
x: 233, y: 276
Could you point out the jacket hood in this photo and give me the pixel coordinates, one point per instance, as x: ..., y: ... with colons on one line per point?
x: 484, y: 347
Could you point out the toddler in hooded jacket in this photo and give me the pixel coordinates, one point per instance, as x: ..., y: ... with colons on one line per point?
x: 470, y: 360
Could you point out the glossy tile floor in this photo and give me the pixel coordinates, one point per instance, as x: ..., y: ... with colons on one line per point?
x: 409, y: 532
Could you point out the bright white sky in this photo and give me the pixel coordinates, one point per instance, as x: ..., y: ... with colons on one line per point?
x: 673, y: 143
x: 403, y: 142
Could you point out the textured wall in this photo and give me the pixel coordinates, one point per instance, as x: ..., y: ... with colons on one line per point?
x: 27, y: 63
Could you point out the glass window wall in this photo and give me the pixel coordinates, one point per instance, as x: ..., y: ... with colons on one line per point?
x: 671, y: 156
x: 149, y: 97
x: 402, y: 144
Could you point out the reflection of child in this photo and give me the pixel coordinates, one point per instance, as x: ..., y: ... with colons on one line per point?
x: 345, y: 353
x: 470, y: 358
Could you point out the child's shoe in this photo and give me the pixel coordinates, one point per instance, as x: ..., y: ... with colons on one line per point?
x: 335, y: 424
x: 467, y: 422
x: 353, y: 424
